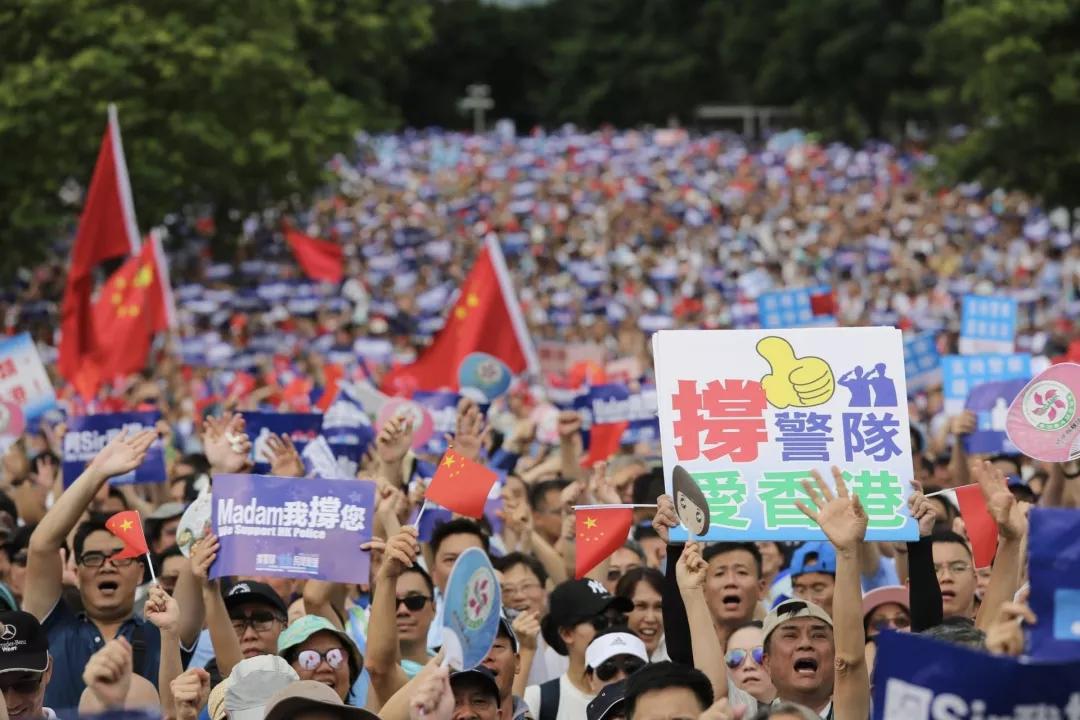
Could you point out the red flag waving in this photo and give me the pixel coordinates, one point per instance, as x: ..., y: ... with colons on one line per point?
x: 134, y: 304
x: 461, y: 485
x: 321, y: 260
x: 485, y: 318
x: 600, y: 531
x: 127, y: 526
x: 107, y: 230
x: 604, y: 441
x: 978, y: 524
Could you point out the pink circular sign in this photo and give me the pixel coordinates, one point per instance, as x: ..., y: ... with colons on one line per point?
x: 422, y: 422
x: 1044, y: 418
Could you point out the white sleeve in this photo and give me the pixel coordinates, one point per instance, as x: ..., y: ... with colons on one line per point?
x: 532, y: 699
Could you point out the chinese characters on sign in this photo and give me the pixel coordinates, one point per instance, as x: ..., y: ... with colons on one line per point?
x: 745, y: 415
x: 987, y: 324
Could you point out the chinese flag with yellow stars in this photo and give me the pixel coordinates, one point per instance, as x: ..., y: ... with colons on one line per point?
x: 461, y: 485
x: 600, y: 532
x: 127, y: 526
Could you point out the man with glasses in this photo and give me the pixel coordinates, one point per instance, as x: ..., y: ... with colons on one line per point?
x: 523, y: 582
x: 613, y: 655
x: 106, y: 585
x: 258, y: 617
x: 955, y: 570
x: 579, y: 609
x: 25, y: 666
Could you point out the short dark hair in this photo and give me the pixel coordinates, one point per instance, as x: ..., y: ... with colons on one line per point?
x: 114, y: 492
x: 722, y: 548
x: 416, y: 569
x: 197, y: 461
x: 663, y: 675
x: 958, y: 631
x: 628, y: 582
x: 8, y: 505
x: 457, y: 526
x: 948, y: 536
x: 510, y: 560
x: 644, y: 532
x: 91, y: 525
x: 541, y: 489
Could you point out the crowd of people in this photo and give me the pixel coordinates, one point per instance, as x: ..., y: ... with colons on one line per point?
x: 609, y: 237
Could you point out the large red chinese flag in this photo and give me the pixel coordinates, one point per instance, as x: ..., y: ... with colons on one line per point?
x: 604, y: 441
x: 127, y: 526
x: 321, y: 260
x: 978, y: 524
x: 485, y: 318
x: 461, y: 485
x: 107, y: 230
x: 600, y: 531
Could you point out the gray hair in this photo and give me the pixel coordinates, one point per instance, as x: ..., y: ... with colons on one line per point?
x: 958, y: 631
x: 787, y: 708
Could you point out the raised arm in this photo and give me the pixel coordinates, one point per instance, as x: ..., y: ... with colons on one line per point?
x: 570, y: 445
x: 222, y: 636
x: 676, y: 625
x: 691, y: 571
x: 391, y: 447
x: 925, y: 593
x: 164, y: 612
x: 383, y: 658
x: 123, y: 454
x: 1012, y: 524
x: 843, y: 520
x: 959, y: 427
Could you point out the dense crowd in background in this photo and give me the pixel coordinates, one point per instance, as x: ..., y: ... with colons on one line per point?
x: 609, y: 237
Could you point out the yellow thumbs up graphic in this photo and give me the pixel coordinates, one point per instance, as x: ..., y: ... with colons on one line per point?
x: 794, y: 382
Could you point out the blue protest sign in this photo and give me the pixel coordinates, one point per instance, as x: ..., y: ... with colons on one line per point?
x: 284, y: 527
x: 922, y: 362
x: 916, y: 678
x: 613, y: 402
x: 301, y: 427
x: 88, y: 434
x: 443, y: 408
x: 987, y: 324
x: 473, y: 602
x: 990, y: 402
x: 1054, y: 569
x: 23, y: 380
x: 801, y: 307
x: 962, y: 373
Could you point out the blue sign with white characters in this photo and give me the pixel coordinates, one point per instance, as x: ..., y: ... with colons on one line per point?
x: 796, y: 308
x: 987, y: 324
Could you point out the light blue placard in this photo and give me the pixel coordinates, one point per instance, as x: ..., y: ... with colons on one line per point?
x: 987, y: 324
x: 471, y: 614
x: 791, y: 308
x: 962, y: 373
x: 922, y: 363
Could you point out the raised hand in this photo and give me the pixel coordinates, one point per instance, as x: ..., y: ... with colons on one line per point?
x: 46, y: 470
x: 284, y: 458
x: 203, y: 554
x: 665, y: 517
x: 569, y: 425
x: 963, y: 424
x: 922, y: 510
x: 123, y: 454
x: 225, y: 443
x: 469, y: 431
x: 394, y: 441
x: 722, y: 710
x: 840, y: 516
x: 691, y: 568
x: 108, y: 673
x: 190, y: 691
x: 571, y: 494
x: 432, y: 698
x: 162, y: 610
x: 1010, y: 516
x: 601, y: 488
x: 524, y: 433
x: 527, y: 628
x: 400, y: 553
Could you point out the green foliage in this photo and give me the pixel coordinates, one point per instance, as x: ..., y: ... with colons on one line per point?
x: 227, y: 104
x: 1010, y: 71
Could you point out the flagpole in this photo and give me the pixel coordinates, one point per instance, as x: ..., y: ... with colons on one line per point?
x: 615, y: 505
x: 416, y: 523
x: 150, y: 564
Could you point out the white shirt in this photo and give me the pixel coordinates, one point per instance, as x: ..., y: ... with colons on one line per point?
x: 573, y: 703
x: 547, y: 664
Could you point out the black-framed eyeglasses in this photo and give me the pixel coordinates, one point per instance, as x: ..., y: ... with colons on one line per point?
x: 412, y: 603
x: 259, y: 621
x: 95, y: 559
x: 610, y: 668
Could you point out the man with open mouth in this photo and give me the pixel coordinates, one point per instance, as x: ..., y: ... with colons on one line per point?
x: 106, y: 584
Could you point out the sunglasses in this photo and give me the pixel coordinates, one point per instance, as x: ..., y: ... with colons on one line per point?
x: 260, y: 622
x: 311, y: 659
x: 413, y: 603
x: 899, y: 623
x: 610, y: 668
x: 737, y: 657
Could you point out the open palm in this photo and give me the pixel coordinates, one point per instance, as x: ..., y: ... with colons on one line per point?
x: 124, y: 453
x: 841, y: 516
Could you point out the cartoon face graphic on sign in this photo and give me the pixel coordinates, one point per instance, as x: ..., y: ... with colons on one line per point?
x: 690, y: 503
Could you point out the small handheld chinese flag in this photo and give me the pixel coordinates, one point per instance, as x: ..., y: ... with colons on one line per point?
x: 980, y: 526
x: 128, y: 527
x: 461, y: 485
x: 600, y: 531
x: 604, y: 441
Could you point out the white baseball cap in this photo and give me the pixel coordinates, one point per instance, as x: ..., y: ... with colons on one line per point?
x: 607, y: 646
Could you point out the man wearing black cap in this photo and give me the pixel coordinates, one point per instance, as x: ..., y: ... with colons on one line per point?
x: 25, y: 666
x: 476, y: 695
x: 504, y: 663
x: 578, y: 610
x: 258, y: 616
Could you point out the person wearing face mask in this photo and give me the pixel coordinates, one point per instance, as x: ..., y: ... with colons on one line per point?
x: 744, y: 656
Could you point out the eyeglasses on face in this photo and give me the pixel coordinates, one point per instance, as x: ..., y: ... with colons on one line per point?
x: 736, y: 657
x: 522, y: 589
x: 260, y: 622
x: 413, y: 603
x: 95, y: 559
x: 311, y: 659
x: 610, y: 668
x: 957, y: 567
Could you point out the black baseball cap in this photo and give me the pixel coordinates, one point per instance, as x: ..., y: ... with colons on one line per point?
x: 249, y: 591
x: 577, y: 601
x: 607, y: 702
x: 505, y: 628
x: 24, y: 645
x: 480, y: 675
